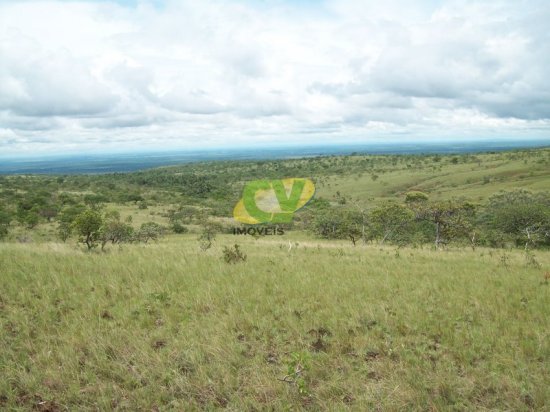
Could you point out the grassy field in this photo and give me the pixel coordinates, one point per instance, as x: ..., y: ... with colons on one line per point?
x: 475, y: 178
x: 325, y: 326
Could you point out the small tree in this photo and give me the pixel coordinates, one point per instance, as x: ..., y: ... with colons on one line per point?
x: 87, y: 226
x: 65, y: 220
x: 363, y: 216
x: 390, y: 222
x: 521, y: 215
x: 95, y: 201
x: 450, y: 219
x: 336, y: 223
x: 208, y: 235
x: 31, y: 219
x: 115, y: 231
x: 149, y: 231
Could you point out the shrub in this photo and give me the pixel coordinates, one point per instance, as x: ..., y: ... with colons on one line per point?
x: 149, y: 231
x: 233, y: 254
x: 115, y: 231
x: 208, y: 235
x: 179, y: 228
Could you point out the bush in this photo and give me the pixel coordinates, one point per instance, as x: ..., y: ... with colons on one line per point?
x: 115, y: 231
x: 208, y: 235
x: 179, y: 229
x: 233, y: 254
x: 149, y: 231
x: 521, y: 215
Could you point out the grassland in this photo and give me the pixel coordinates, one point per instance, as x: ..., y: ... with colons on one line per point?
x: 472, y: 177
x: 323, y: 326
x: 170, y: 327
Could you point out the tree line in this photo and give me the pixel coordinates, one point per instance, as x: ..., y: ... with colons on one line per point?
x: 515, y: 218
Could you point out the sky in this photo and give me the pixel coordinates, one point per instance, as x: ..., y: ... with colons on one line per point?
x: 85, y: 76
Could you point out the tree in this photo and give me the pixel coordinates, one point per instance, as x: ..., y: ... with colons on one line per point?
x: 65, y: 220
x: 149, y: 231
x: 87, y: 225
x: 339, y: 224
x: 208, y: 234
x: 362, y: 210
x: 521, y: 215
x: 450, y: 219
x: 27, y: 209
x: 95, y: 201
x: 462, y: 224
x: 30, y: 218
x: 186, y: 213
x: 390, y: 222
x: 114, y: 231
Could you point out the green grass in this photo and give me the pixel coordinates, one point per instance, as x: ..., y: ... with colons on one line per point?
x: 168, y: 327
x: 474, y: 180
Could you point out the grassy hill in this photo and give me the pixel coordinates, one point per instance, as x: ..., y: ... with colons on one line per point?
x: 301, y: 324
x: 325, y: 326
x: 474, y: 178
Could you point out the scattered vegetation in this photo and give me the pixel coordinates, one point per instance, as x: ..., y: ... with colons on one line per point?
x: 233, y: 254
x: 401, y: 295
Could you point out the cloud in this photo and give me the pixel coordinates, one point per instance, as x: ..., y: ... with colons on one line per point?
x: 35, y: 81
x: 179, y: 73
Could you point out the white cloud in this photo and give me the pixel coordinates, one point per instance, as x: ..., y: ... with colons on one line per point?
x: 78, y: 75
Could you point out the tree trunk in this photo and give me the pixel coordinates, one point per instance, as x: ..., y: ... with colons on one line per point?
x: 437, y: 235
x: 386, y: 235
